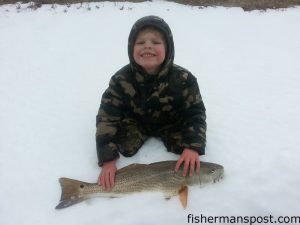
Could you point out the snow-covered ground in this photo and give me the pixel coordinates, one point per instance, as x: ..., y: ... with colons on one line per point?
x: 56, y: 63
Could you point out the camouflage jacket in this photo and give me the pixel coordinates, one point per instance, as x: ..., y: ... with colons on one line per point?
x: 156, y: 102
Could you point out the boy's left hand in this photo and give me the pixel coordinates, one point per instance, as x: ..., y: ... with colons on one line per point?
x: 191, y: 161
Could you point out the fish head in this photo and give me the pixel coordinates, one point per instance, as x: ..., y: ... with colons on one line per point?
x: 209, y: 173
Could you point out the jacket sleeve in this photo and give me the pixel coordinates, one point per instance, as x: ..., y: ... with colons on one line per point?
x: 107, y: 122
x: 194, y: 117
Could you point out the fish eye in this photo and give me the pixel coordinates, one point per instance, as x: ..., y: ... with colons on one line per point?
x: 212, y: 171
x: 81, y: 185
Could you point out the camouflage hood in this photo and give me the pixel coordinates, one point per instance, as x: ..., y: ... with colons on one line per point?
x: 164, y: 28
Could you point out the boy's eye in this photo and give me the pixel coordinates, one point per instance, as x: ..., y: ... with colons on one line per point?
x: 143, y: 42
x: 139, y: 42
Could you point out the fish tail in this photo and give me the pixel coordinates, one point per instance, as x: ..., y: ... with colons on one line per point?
x: 70, y: 192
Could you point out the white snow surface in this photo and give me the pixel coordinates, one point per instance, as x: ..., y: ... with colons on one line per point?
x: 55, y: 63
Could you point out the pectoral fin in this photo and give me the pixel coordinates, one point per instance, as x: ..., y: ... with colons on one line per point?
x: 183, y: 196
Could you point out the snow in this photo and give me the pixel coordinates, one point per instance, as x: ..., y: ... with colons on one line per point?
x: 56, y: 63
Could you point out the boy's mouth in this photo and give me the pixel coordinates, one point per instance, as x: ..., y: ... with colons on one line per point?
x: 147, y: 55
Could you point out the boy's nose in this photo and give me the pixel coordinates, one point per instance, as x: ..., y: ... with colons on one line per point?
x: 148, y: 45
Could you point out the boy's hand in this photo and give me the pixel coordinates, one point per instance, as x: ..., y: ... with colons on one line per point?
x: 107, y: 176
x: 191, y: 161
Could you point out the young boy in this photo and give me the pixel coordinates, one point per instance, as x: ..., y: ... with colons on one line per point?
x: 151, y: 96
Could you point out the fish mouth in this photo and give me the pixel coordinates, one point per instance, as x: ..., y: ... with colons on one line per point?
x: 216, y: 180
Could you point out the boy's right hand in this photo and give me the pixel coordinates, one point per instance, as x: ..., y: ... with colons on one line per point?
x: 107, y: 175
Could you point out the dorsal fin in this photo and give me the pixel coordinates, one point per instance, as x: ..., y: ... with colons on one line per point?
x: 130, y: 167
x: 162, y: 162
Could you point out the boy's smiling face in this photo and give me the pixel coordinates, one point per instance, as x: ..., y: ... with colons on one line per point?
x: 149, y: 50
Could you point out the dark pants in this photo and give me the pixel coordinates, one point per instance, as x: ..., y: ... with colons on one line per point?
x: 132, y: 136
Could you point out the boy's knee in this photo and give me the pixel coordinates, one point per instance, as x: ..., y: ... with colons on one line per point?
x: 173, y: 141
x: 128, y: 153
x: 130, y: 141
x: 130, y: 147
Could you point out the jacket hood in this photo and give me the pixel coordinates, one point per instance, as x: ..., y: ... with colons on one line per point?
x: 163, y: 27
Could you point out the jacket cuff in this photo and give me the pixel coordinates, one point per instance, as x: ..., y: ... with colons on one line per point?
x: 195, y: 147
x: 108, y: 157
x: 107, y: 153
